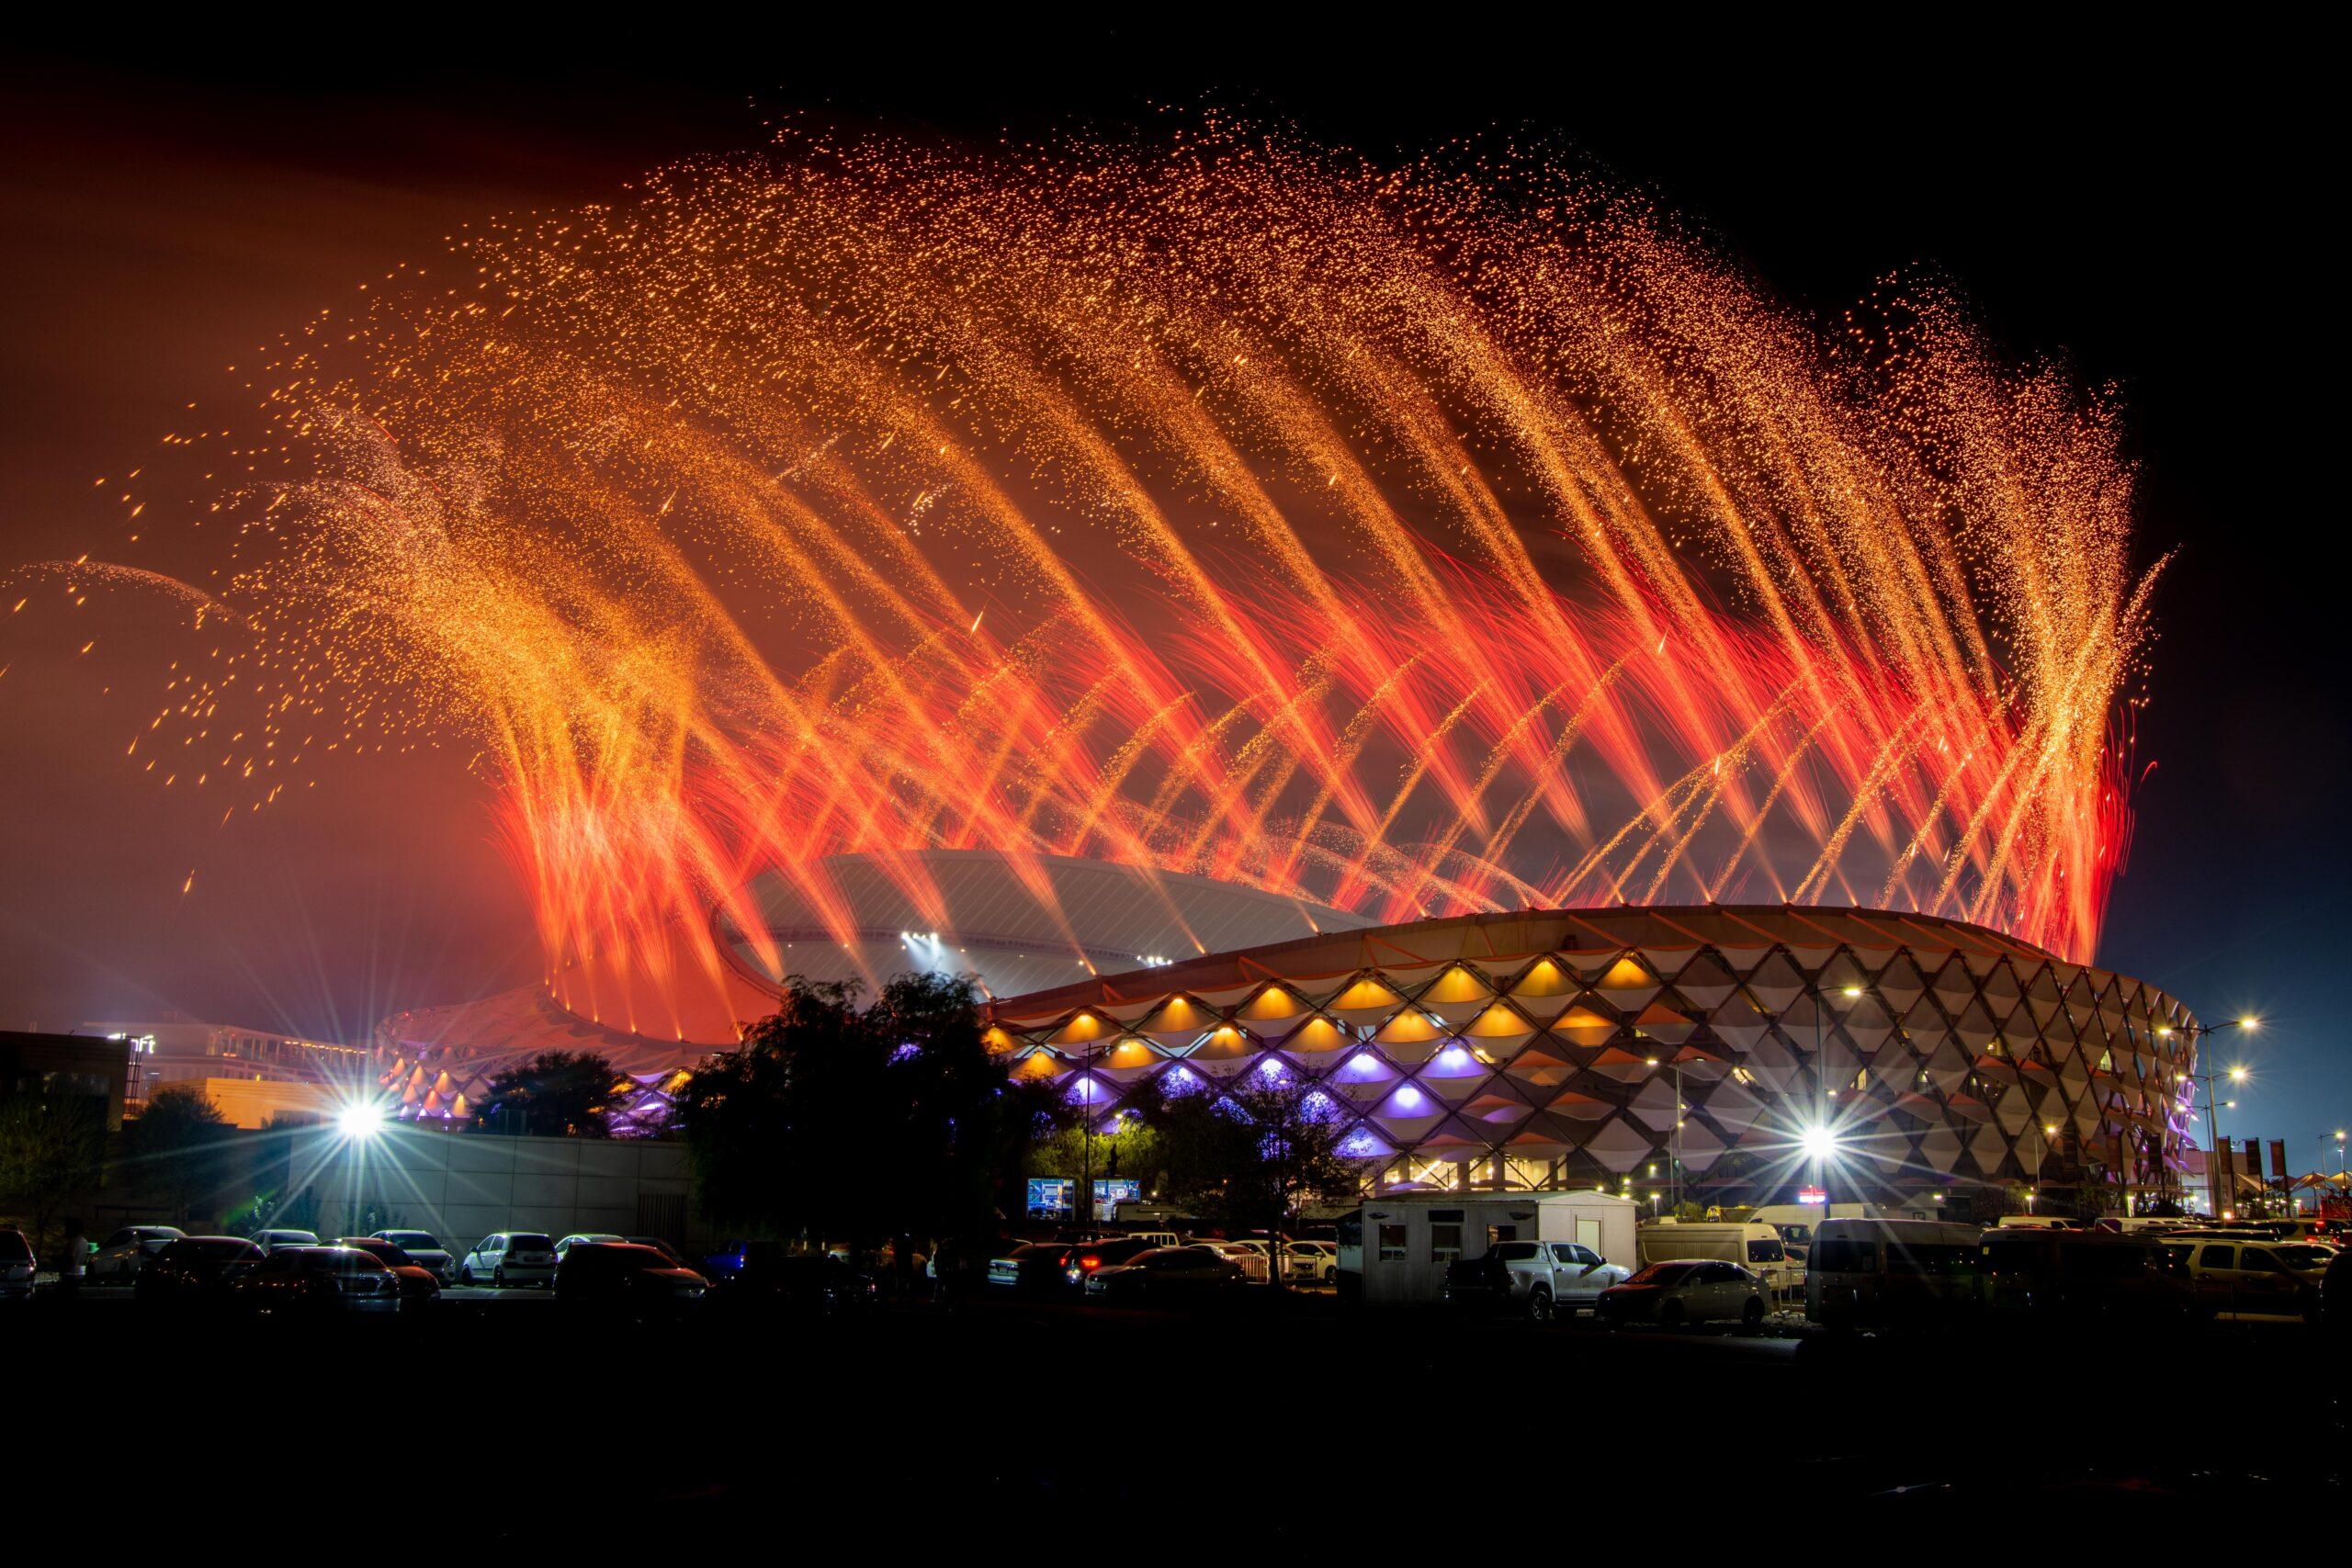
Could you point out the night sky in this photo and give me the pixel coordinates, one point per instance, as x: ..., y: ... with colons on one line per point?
x: 2153, y: 221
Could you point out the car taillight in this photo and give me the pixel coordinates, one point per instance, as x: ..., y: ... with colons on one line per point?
x: 1089, y: 1262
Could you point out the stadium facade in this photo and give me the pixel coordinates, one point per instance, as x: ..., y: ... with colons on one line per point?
x: 1687, y: 1050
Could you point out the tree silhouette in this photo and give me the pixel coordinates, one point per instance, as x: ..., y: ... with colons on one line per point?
x: 180, y: 1148
x: 52, y: 1150
x: 558, y: 1093
x: 856, y: 1124
x: 1251, y: 1156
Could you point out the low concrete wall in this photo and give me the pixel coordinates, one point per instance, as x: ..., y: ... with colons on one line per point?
x: 464, y: 1186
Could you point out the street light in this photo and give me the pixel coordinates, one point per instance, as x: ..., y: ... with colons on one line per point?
x: 360, y: 1120
x: 2212, y: 1122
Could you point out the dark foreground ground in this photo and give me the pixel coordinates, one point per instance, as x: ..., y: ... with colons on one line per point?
x: 1054, y: 1432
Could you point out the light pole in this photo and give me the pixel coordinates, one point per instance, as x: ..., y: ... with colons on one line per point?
x: 2049, y: 1131
x: 2212, y: 1122
x: 1086, y: 1142
x: 1674, y: 1145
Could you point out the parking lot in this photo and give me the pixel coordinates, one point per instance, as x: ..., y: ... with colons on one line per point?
x: 1271, y: 1409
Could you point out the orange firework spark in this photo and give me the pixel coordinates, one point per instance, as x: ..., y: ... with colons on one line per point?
x: 1421, y: 539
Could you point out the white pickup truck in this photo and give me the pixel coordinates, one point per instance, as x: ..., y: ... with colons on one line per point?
x: 1538, y: 1278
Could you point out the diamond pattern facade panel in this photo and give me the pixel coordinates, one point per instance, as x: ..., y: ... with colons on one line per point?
x: 1599, y: 1046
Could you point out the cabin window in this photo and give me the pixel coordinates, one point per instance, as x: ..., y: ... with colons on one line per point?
x: 1392, y: 1244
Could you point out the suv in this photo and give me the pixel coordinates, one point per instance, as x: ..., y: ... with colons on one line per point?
x: 1532, y: 1277
x: 2254, y: 1277
x: 510, y: 1258
x: 1310, y: 1262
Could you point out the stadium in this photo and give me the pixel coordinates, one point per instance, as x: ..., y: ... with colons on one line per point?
x: 1682, y: 1050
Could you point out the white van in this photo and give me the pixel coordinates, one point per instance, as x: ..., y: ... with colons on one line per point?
x: 1752, y: 1243
x: 1893, y: 1274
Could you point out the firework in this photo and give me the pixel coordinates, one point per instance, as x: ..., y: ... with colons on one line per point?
x: 1420, y: 540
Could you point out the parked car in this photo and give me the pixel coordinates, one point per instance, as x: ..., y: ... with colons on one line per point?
x: 730, y: 1260
x: 509, y: 1258
x: 1750, y: 1243
x: 1157, y: 1239
x: 2275, y: 1278
x: 271, y: 1240
x: 420, y: 1287
x: 124, y: 1253
x: 657, y: 1245
x: 1532, y: 1277
x: 302, y: 1281
x: 1310, y: 1262
x: 1165, y: 1273
x: 2335, y: 1299
x: 424, y: 1249
x: 1254, y: 1260
x: 2080, y: 1273
x: 1684, y: 1292
x: 624, y: 1279
x: 195, y: 1269
x: 1033, y: 1266
x: 18, y: 1267
x: 1085, y: 1260
x: 797, y: 1284
x: 567, y: 1243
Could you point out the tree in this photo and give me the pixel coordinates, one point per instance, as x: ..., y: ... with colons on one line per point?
x: 180, y: 1148
x: 856, y: 1124
x: 1251, y: 1157
x: 556, y: 1092
x: 52, y: 1150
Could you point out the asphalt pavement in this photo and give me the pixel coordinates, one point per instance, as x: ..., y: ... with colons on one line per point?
x: 1285, y: 1412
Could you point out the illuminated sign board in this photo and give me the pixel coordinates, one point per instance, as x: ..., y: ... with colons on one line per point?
x: 1051, y: 1198
x: 1805, y: 1194
x: 1117, y: 1190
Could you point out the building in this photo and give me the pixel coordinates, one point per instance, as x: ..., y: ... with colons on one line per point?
x: 1707, y: 1053
x: 1668, y: 1053
x: 57, y: 1065
x: 250, y: 1075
